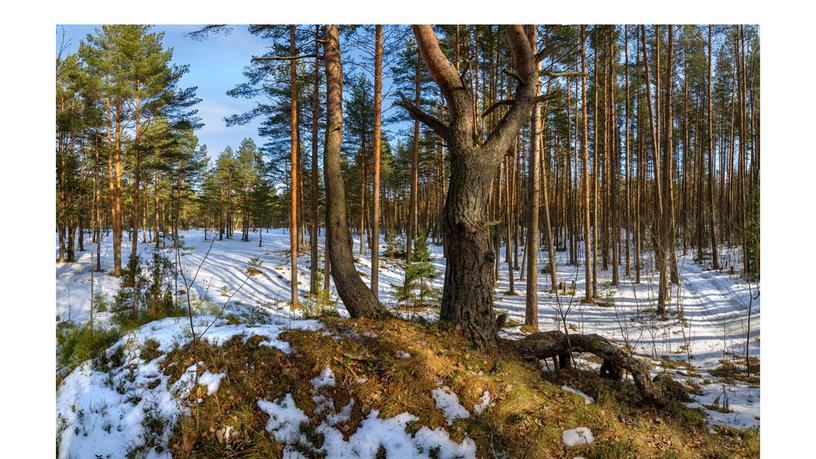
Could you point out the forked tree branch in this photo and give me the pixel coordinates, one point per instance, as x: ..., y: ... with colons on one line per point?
x: 524, y: 62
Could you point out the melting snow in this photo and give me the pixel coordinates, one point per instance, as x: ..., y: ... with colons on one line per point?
x: 326, y: 378
x: 576, y: 437
x: 484, y: 402
x: 100, y: 411
x: 587, y: 399
x: 448, y: 402
x: 285, y: 419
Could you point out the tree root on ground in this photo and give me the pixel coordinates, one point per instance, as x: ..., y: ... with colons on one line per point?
x: 555, y: 344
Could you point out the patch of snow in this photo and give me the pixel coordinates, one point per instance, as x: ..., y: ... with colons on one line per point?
x: 186, y: 382
x: 325, y: 378
x: 211, y: 380
x: 101, y: 414
x: 743, y: 404
x: 448, y: 402
x: 101, y: 411
x: 390, y: 434
x: 588, y: 400
x: 484, y: 402
x: 344, y: 414
x: 374, y: 433
x: 323, y: 403
x: 577, y: 436
x: 285, y: 419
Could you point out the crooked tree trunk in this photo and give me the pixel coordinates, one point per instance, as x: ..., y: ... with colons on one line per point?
x: 467, y: 299
x: 358, y: 299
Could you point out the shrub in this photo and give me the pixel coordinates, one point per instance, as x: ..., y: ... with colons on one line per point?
x: 419, y: 272
x: 319, y: 305
x: 76, y: 344
x: 146, y: 292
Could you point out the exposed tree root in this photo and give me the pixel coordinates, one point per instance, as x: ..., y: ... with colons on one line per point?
x: 553, y: 344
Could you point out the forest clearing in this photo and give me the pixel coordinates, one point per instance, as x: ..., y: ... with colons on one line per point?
x: 450, y: 241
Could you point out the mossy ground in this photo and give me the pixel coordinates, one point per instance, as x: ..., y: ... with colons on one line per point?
x: 526, y: 420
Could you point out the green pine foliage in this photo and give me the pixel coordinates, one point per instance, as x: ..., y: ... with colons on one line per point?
x: 418, y: 288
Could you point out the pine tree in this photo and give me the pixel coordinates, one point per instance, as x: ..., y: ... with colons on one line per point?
x: 417, y: 288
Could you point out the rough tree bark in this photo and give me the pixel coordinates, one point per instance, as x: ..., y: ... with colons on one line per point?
x: 467, y: 299
x: 358, y: 299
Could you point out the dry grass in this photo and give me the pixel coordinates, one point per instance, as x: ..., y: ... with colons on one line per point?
x: 736, y: 370
x: 526, y: 420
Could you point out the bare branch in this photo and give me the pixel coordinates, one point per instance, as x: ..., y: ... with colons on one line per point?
x: 552, y: 74
x: 546, y: 51
x: 538, y: 99
x: 284, y: 58
x: 513, y: 74
x: 432, y: 122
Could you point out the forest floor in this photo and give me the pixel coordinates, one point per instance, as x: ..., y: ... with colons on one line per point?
x: 701, y: 343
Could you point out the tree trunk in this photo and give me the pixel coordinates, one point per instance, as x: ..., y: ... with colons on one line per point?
x: 467, y: 299
x: 358, y: 299
x: 375, y: 224
x: 116, y: 188
x: 668, y: 176
x: 585, y: 174
x: 412, y: 206
x: 293, y: 239
x: 314, y: 268
x: 533, y: 190
x: 659, y: 245
x: 715, y: 265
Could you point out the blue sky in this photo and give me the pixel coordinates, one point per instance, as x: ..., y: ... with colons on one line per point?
x: 215, y: 67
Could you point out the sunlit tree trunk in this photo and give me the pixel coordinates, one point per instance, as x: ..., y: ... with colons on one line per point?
x: 375, y: 227
x: 585, y: 174
x: 293, y: 207
x: 357, y: 298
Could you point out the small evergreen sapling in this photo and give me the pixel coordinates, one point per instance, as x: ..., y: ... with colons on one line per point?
x: 419, y: 274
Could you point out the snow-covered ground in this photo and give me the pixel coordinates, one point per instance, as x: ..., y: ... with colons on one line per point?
x: 708, y: 319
